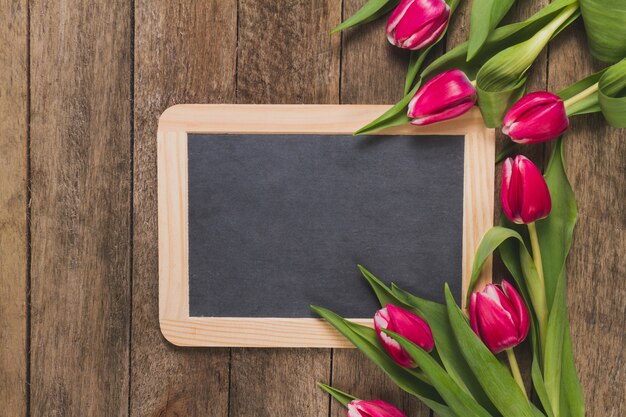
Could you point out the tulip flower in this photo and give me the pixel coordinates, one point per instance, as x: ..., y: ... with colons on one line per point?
x: 406, y: 324
x: 415, y: 24
x: 376, y: 408
x: 524, y: 194
x: 535, y: 118
x: 448, y: 95
x: 499, y: 317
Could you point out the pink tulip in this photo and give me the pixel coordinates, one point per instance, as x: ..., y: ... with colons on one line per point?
x: 448, y: 95
x: 406, y: 324
x: 536, y: 117
x: 524, y: 194
x: 499, y: 317
x: 376, y: 408
x: 415, y: 24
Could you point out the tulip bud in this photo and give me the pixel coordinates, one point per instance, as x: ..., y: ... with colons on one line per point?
x: 499, y: 317
x: 524, y: 194
x: 376, y: 408
x: 407, y: 325
x: 448, y: 95
x: 415, y: 24
x: 536, y: 117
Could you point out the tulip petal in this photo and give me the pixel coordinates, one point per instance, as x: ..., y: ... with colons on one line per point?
x: 509, y: 191
x: 496, y: 325
x: 382, y: 320
x: 412, y: 327
x: 415, y: 24
x: 535, y: 197
x: 535, y: 118
x: 523, y: 317
x: 444, y: 115
x: 473, y: 314
x: 373, y: 408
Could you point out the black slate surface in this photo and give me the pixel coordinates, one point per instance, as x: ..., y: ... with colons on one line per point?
x: 279, y: 222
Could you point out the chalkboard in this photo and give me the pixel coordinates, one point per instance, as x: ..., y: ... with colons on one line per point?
x: 279, y: 222
x: 258, y: 219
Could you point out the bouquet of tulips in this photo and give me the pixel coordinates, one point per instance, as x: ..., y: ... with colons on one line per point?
x: 452, y: 357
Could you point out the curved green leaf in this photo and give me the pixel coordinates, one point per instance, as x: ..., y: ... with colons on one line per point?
x: 485, y: 16
x: 554, y: 347
x: 612, y: 94
x: 589, y: 104
x: 495, y: 379
x: 342, y: 397
x: 605, y: 23
x: 370, y: 11
x: 571, y: 391
x: 457, y: 399
x: 555, y: 232
x: 383, y: 293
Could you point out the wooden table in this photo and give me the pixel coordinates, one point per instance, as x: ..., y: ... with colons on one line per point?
x: 82, y: 85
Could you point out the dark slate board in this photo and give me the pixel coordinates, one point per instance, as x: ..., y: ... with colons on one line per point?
x: 279, y: 222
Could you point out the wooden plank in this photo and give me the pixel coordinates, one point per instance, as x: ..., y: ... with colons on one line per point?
x: 184, y: 53
x: 80, y: 156
x: 13, y: 206
x: 595, y: 156
x: 372, y: 70
x: 292, y: 59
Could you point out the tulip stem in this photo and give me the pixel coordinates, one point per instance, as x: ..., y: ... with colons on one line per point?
x: 515, y: 370
x: 580, y: 96
x: 539, y: 297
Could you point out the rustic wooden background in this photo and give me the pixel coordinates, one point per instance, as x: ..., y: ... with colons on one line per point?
x: 82, y: 84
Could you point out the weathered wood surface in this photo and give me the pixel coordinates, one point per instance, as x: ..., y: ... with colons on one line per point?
x: 81, y: 87
x: 13, y: 205
x: 80, y: 156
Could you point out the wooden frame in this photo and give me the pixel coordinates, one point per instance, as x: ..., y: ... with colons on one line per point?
x: 174, y: 125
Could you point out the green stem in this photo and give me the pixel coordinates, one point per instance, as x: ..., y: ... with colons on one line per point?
x: 515, y: 370
x: 539, y: 297
x: 580, y: 96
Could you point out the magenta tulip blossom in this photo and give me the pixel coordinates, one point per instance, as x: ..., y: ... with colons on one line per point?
x: 536, y: 117
x: 406, y: 324
x: 375, y: 408
x: 448, y: 95
x: 499, y: 316
x: 524, y: 194
x: 415, y: 24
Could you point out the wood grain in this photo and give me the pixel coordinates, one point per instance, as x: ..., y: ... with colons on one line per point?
x: 13, y: 205
x: 184, y: 52
x: 594, y: 156
x: 372, y: 70
x: 80, y: 156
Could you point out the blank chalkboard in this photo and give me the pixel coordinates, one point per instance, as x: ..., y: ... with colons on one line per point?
x: 279, y: 222
x: 267, y: 223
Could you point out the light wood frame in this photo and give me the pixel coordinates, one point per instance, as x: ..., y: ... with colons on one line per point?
x: 178, y: 121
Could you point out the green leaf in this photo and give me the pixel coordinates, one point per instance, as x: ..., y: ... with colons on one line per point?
x: 612, y: 94
x: 436, y: 315
x: 589, y: 104
x: 555, y: 232
x: 500, y: 82
x: 571, y: 391
x: 343, y: 398
x: 370, y: 11
x: 495, y: 379
x: 540, y: 388
x: 395, y: 116
x: 605, y: 23
x: 457, y: 399
x: 554, y: 346
x: 383, y: 293
x: 488, y: 244
x: 485, y: 16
